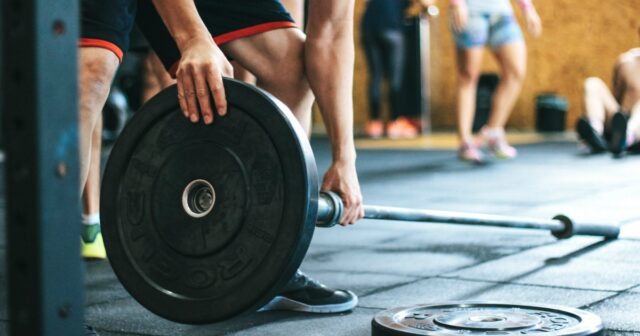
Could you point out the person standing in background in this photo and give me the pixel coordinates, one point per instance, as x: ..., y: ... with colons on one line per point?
x: 384, y: 45
x: 474, y: 25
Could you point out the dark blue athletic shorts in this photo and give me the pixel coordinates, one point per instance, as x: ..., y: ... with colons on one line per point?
x: 108, y: 23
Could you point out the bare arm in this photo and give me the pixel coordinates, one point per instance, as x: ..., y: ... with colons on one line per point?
x: 329, y: 62
x: 202, y: 64
x: 532, y: 19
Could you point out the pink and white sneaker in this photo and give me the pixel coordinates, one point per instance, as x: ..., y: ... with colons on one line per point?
x: 469, y: 152
x: 498, y: 145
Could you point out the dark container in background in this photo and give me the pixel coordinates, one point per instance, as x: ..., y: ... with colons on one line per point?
x: 486, y: 86
x: 551, y: 112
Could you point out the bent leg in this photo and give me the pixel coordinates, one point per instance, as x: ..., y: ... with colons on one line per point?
x: 97, y: 69
x: 512, y: 59
x: 599, y: 103
x: 242, y: 74
x: 276, y: 59
x: 633, y: 125
x: 469, y: 65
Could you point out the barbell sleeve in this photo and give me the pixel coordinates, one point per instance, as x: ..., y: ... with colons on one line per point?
x: 330, y: 210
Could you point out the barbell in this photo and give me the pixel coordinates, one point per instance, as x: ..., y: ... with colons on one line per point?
x: 205, y: 222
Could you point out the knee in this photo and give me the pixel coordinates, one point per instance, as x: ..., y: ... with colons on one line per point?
x: 514, y: 75
x: 592, y: 85
x: 287, y: 72
x: 467, y: 78
x: 97, y: 70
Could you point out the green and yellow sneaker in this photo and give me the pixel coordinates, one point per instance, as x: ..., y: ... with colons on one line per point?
x: 92, y: 243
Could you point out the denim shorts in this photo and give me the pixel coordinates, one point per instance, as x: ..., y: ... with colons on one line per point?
x: 486, y: 29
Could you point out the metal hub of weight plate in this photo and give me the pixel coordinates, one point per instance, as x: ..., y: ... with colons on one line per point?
x: 205, y: 222
x: 473, y: 318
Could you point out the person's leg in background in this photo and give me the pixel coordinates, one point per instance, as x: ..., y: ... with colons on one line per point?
x: 599, y: 107
x: 469, y: 62
x: 633, y: 128
x: 92, y: 243
x: 374, y: 128
x: 512, y: 59
x: 625, y: 123
x: 394, y: 49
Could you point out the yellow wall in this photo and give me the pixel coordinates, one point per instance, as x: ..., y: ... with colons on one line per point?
x: 580, y: 38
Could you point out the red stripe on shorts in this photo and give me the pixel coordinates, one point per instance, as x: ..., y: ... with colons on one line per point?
x: 87, y: 42
x: 244, y: 32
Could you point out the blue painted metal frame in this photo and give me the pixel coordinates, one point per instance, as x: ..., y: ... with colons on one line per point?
x: 40, y: 130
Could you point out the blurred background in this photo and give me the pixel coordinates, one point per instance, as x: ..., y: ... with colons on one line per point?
x: 580, y: 38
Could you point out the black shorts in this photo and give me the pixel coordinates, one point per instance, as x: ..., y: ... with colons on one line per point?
x: 108, y: 23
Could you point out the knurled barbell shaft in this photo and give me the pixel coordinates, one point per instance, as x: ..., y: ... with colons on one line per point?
x: 330, y: 210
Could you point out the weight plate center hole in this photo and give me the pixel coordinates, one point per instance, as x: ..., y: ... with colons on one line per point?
x: 487, y: 318
x: 198, y: 198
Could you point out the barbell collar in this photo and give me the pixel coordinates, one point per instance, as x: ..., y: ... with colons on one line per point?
x: 330, y: 208
x: 572, y: 228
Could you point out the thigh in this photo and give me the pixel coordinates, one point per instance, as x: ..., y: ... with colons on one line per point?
x: 475, y: 33
x: 395, y: 54
x: 276, y: 53
x: 597, y: 87
x: 373, y: 54
x: 469, y: 62
x: 227, y: 21
x: 512, y: 59
x: 503, y: 30
x: 107, y: 24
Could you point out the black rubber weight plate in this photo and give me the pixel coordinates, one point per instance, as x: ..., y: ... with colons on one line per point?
x: 473, y: 318
x: 253, y: 169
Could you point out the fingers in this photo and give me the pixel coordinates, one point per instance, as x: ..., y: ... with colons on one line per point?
x: 202, y: 93
x: 459, y: 21
x: 195, y: 85
x: 534, y: 24
x: 217, y: 91
x: 353, y: 209
x: 187, y: 90
x: 181, y: 99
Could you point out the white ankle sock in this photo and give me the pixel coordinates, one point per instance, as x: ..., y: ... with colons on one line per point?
x: 494, y: 132
x: 597, y: 125
x: 631, y: 138
x: 90, y: 219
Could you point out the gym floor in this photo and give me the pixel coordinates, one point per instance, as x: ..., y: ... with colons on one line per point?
x: 392, y: 264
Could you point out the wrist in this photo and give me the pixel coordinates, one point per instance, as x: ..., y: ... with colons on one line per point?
x: 456, y: 3
x: 183, y: 41
x: 345, y: 156
x: 525, y: 5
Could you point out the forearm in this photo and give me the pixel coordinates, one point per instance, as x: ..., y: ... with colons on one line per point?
x: 329, y: 57
x: 525, y: 5
x: 182, y: 19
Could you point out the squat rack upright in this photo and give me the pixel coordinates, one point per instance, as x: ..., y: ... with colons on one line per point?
x: 40, y: 131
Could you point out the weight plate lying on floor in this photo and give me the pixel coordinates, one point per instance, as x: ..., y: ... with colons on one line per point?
x: 204, y: 222
x: 473, y: 318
